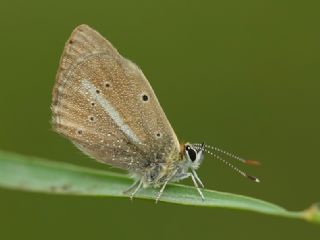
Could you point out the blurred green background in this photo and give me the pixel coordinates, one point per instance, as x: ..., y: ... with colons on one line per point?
x: 242, y: 75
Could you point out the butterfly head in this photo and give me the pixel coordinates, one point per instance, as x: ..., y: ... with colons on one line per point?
x: 194, y: 154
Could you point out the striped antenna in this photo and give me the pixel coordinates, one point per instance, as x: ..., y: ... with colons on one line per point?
x: 255, y: 179
x: 248, y: 162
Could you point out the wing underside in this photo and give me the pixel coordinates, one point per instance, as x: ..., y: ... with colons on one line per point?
x: 105, y: 105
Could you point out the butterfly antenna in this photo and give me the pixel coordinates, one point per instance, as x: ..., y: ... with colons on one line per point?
x: 201, y: 146
x: 245, y: 161
x: 255, y: 179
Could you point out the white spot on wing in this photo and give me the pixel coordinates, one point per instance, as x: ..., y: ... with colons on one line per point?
x: 91, y: 89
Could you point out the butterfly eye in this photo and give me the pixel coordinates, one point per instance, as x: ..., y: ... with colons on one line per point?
x: 191, y: 153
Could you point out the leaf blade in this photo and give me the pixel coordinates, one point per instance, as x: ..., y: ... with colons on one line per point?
x: 25, y: 173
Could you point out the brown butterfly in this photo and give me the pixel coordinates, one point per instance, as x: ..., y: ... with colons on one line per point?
x: 105, y: 105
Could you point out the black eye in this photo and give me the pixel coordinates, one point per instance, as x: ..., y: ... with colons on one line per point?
x: 192, y: 153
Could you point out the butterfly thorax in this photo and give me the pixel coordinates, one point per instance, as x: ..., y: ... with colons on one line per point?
x: 157, y: 173
x: 177, y: 166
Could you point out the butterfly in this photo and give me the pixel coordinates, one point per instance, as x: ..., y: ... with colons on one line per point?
x: 105, y: 105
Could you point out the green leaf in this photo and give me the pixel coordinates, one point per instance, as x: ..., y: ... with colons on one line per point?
x: 25, y: 173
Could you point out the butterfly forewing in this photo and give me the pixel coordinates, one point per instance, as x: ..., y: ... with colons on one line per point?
x: 105, y: 105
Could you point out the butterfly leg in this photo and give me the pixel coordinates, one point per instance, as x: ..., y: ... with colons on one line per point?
x: 196, y: 185
x: 171, y: 177
x: 134, y: 188
x: 194, y: 179
x: 197, y: 178
x: 161, y: 190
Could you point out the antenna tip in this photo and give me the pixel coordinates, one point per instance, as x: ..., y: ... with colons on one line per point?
x: 252, y: 162
x: 253, y: 178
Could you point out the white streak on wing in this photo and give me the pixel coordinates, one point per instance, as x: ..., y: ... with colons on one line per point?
x: 91, y: 89
x: 69, y: 124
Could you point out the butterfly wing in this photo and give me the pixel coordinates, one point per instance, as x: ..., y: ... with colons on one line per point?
x: 106, y: 106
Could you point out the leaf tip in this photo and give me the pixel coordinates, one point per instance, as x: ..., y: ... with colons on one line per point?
x: 312, y: 213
